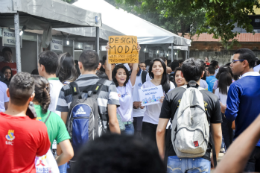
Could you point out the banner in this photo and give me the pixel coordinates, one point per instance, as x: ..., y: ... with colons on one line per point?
x: 56, y: 45
x: 8, y: 38
x: 123, y: 49
x: 150, y: 96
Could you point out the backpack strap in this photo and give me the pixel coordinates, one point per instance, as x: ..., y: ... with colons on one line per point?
x: 143, y: 77
x: 74, y: 88
x: 99, y: 85
x: 47, y: 118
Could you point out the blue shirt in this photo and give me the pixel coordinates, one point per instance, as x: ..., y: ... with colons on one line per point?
x: 210, y: 81
x: 243, y: 101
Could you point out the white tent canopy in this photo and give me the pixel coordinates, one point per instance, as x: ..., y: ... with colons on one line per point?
x: 104, y: 31
x: 129, y: 24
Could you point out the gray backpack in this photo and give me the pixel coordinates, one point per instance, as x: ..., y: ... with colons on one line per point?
x: 190, y: 128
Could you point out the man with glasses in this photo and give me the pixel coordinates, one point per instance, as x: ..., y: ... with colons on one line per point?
x: 243, y: 102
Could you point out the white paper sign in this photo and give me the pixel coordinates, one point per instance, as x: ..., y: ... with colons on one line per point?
x: 8, y: 38
x: 56, y: 45
x: 150, y: 96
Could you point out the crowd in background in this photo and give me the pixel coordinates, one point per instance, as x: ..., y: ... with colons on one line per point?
x: 231, y: 95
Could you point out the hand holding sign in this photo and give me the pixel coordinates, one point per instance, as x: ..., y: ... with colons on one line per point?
x: 152, y: 95
x: 123, y: 49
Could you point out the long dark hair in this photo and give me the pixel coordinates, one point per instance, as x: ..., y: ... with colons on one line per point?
x: 225, y: 80
x: 115, y: 71
x: 66, y: 69
x: 223, y: 69
x: 165, y: 81
x: 42, y: 92
x: 5, y: 68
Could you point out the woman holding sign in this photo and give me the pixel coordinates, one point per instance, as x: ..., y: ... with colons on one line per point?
x: 157, y: 72
x: 125, y: 84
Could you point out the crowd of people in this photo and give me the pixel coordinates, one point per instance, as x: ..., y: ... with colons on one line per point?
x: 64, y: 104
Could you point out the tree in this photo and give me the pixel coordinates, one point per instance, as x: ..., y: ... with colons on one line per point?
x: 69, y: 1
x: 187, y: 23
x: 221, y: 16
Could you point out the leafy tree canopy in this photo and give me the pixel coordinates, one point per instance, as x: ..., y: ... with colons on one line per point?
x: 217, y: 17
x: 69, y: 1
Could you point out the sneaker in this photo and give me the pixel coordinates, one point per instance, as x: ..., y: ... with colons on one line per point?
x: 222, y: 150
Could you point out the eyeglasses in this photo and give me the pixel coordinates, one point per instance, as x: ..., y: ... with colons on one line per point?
x: 233, y: 61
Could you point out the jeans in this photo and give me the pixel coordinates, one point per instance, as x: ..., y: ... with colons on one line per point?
x: 138, y: 121
x: 253, y: 164
x: 223, y: 143
x: 129, y: 129
x: 196, y: 165
x: 227, y: 131
x: 63, y: 168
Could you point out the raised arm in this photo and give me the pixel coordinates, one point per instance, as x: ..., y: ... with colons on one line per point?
x: 135, y: 68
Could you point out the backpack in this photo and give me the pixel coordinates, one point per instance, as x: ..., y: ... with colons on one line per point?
x: 84, y: 122
x: 143, y: 77
x: 190, y: 127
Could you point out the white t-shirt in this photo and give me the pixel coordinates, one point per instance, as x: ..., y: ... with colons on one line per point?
x: 3, y: 96
x: 221, y: 97
x: 203, y: 84
x: 125, y: 99
x: 55, y: 87
x: 152, y: 113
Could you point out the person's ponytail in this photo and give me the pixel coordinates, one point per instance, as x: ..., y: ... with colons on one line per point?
x: 42, y: 92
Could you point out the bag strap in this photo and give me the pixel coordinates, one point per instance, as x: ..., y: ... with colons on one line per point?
x: 99, y: 85
x: 47, y: 118
x: 75, y: 90
x: 144, y: 73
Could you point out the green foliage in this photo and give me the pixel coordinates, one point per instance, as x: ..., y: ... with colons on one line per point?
x: 154, y: 13
x: 69, y: 1
x: 217, y: 17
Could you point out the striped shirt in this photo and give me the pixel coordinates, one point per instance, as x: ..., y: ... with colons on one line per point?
x: 107, y: 95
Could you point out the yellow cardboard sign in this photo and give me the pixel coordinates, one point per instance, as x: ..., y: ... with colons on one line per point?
x: 123, y: 49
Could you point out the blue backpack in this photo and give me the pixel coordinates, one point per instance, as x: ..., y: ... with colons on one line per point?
x: 84, y: 122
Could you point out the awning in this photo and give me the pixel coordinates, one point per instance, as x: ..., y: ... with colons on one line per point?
x: 129, y: 24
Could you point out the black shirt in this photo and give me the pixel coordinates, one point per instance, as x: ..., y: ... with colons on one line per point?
x: 170, y: 105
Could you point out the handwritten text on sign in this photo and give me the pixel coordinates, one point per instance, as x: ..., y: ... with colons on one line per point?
x: 123, y: 49
x: 150, y: 96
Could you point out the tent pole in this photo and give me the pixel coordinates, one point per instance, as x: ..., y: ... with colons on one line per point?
x: 188, y: 52
x: 37, y: 50
x: 171, y: 52
x: 17, y: 42
x: 97, y: 40
x: 73, y: 44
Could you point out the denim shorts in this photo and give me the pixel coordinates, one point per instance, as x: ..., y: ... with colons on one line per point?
x: 196, y: 165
